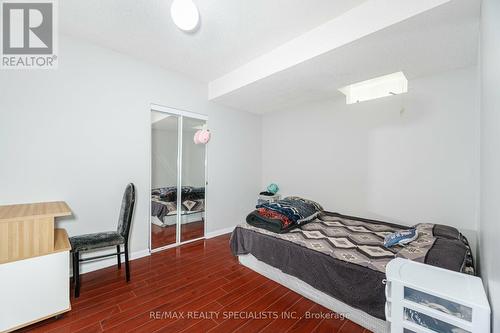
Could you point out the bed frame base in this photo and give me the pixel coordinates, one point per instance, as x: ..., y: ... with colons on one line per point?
x: 291, y: 282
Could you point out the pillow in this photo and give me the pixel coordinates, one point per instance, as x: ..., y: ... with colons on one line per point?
x: 168, y: 194
x: 445, y: 231
x: 401, y: 237
x: 316, y: 205
x: 193, y: 193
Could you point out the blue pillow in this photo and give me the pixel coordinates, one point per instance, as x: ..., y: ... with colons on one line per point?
x: 401, y: 237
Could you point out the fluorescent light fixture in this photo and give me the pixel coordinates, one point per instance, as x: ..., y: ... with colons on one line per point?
x: 185, y: 14
x: 382, y: 86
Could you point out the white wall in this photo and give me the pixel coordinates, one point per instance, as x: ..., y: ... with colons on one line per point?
x: 368, y: 160
x: 81, y: 133
x: 490, y: 154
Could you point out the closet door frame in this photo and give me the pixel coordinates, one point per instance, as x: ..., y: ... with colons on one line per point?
x: 180, y: 114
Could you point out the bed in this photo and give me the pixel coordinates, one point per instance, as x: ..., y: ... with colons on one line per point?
x: 339, y: 261
x: 164, y: 204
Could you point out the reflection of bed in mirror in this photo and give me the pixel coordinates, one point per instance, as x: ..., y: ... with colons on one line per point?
x: 164, y: 214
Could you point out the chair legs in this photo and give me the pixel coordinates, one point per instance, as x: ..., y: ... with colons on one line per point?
x: 127, y: 269
x: 76, y: 273
x: 118, y: 257
x: 76, y: 266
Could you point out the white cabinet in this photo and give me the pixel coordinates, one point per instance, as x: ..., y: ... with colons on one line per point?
x: 36, y: 288
x: 426, y: 299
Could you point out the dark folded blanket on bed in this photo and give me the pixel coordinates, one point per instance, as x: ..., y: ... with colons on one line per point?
x: 297, y: 209
x: 344, y: 256
x: 284, y: 215
x: 256, y: 219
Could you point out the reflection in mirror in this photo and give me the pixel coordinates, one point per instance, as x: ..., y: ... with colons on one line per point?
x: 164, y: 151
x: 193, y: 181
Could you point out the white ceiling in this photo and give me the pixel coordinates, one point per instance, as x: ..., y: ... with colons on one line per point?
x: 232, y: 32
x: 235, y: 32
x: 442, y: 39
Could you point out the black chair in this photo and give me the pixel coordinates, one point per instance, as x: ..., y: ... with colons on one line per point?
x: 106, y: 239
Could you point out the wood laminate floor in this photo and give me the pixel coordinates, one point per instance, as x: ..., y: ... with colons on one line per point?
x: 198, y: 287
x: 162, y: 236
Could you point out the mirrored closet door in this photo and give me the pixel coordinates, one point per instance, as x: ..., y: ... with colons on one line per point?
x: 178, y: 178
x: 193, y: 181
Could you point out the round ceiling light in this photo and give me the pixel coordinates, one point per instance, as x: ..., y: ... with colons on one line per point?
x: 185, y: 14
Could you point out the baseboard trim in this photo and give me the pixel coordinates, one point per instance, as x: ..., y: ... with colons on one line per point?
x: 219, y: 232
x: 108, y: 262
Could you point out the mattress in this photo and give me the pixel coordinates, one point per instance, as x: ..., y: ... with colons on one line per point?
x: 343, y: 256
x: 375, y: 325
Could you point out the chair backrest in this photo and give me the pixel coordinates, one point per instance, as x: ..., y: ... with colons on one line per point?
x: 126, y: 211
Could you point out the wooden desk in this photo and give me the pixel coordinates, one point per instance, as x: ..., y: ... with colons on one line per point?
x: 27, y: 230
x: 34, y: 264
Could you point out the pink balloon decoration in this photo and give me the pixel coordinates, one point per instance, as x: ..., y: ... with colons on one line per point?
x: 201, y: 137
